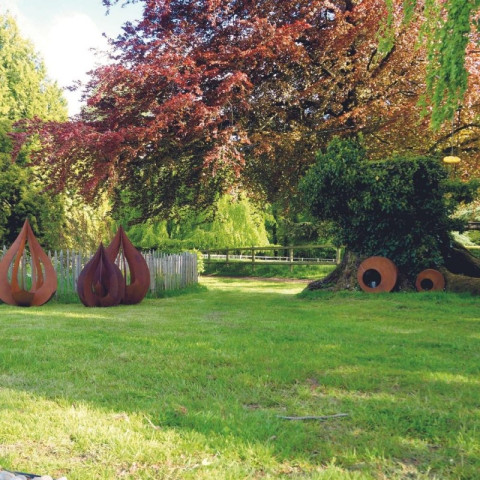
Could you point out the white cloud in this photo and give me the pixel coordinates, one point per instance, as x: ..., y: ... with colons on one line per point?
x: 67, y: 51
x: 67, y: 47
x: 66, y: 44
x: 10, y: 5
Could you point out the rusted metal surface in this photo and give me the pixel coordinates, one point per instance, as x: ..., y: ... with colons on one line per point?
x: 100, y: 283
x: 136, y: 286
x: 430, y: 280
x: 377, y: 274
x: 43, y: 276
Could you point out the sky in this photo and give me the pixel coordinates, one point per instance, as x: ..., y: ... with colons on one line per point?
x: 64, y: 32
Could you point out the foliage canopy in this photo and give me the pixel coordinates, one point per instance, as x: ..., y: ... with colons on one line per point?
x: 399, y: 208
x: 236, y: 222
x: 205, y: 94
x: 25, y: 92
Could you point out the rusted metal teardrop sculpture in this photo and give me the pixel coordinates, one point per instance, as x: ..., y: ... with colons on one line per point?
x: 43, y: 276
x: 100, y: 283
x: 137, y: 287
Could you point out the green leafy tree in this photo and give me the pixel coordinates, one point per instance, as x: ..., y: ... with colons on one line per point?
x: 85, y: 225
x: 25, y: 92
x: 451, y: 29
x: 234, y: 222
x: 400, y: 208
x: 237, y: 223
x: 21, y: 197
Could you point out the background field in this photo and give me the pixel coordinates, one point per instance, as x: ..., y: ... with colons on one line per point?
x: 239, y: 269
x: 193, y: 386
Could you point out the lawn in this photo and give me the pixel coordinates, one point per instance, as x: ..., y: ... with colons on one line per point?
x: 194, y: 386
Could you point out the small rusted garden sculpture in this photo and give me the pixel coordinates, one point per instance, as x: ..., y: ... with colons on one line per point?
x: 100, y: 283
x: 43, y: 279
x: 137, y: 275
x: 377, y: 274
x: 103, y: 284
x: 430, y: 280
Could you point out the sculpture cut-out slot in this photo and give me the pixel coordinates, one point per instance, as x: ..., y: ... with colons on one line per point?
x: 426, y: 284
x: 372, y: 278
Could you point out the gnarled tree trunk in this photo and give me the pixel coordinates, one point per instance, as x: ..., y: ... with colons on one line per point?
x: 461, y: 272
x: 344, y: 277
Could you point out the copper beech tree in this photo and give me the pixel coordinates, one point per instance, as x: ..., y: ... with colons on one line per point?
x: 203, y: 95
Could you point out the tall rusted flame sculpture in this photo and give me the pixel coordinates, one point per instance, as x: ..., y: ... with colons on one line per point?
x: 100, y: 283
x: 127, y: 254
x: 43, y: 276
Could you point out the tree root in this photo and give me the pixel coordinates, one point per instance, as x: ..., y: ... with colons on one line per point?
x: 461, y: 272
x: 344, y: 277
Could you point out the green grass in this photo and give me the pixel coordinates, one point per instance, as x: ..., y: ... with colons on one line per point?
x: 191, y: 387
x: 72, y: 296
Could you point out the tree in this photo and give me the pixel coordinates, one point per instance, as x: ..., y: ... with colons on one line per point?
x: 25, y: 92
x: 207, y: 94
x: 59, y: 221
x: 233, y: 221
x: 85, y: 226
x: 399, y: 208
x: 21, y: 197
x: 236, y: 222
x: 453, y: 28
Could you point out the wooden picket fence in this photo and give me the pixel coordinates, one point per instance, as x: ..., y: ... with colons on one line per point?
x: 168, y: 272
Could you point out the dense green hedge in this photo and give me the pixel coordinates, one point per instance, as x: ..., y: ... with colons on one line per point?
x: 399, y: 208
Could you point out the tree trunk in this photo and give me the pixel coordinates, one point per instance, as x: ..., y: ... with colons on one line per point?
x: 459, y: 261
x: 344, y: 277
x: 461, y: 272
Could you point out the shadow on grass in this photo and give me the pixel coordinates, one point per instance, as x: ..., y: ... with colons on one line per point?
x: 227, y: 360
x: 69, y: 298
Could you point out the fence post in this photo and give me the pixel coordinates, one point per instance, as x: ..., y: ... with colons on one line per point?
x: 253, y: 259
x: 338, y: 257
x: 290, y: 255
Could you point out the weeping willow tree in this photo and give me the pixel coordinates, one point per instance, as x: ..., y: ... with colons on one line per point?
x: 234, y: 221
x: 450, y: 29
x: 237, y: 223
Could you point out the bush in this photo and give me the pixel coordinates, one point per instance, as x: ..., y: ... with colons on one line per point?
x: 399, y: 208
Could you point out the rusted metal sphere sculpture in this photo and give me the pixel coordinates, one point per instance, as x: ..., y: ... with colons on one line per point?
x: 100, y: 283
x: 430, y: 280
x: 43, y: 278
x: 377, y: 274
x: 133, y: 266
